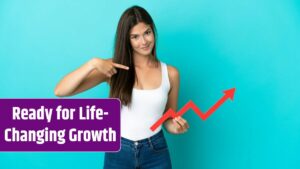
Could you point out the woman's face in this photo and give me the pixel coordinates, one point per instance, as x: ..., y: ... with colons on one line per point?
x: 142, y: 39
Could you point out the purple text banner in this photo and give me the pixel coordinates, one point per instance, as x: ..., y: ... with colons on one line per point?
x: 60, y: 125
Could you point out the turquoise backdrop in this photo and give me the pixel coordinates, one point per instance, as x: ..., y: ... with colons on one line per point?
x: 252, y: 45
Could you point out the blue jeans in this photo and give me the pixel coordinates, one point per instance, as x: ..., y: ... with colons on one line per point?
x: 149, y: 153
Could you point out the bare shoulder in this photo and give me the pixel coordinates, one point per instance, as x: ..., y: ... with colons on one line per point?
x: 173, y: 73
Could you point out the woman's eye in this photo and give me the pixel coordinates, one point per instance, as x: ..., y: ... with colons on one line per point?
x: 148, y: 32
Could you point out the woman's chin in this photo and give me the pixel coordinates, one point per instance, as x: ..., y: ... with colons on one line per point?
x: 145, y: 53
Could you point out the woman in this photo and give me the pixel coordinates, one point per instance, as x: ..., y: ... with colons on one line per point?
x: 145, y: 86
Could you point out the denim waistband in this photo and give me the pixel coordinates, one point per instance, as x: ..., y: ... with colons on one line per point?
x: 143, y: 141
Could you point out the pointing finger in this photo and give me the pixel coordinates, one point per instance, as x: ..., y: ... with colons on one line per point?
x: 120, y: 66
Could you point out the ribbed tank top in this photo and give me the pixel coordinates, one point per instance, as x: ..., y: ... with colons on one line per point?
x: 147, y: 106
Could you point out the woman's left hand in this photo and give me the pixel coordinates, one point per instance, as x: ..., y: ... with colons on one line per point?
x: 177, y: 125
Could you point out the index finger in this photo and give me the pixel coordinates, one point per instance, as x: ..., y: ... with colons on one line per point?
x: 120, y: 66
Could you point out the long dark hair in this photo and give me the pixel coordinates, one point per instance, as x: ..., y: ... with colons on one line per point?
x: 121, y: 84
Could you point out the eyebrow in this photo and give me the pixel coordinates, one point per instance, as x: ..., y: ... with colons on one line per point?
x: 144, y: 32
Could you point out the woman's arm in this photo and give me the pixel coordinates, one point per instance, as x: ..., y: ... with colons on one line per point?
x: 87, y: 76
x: 177, y: 125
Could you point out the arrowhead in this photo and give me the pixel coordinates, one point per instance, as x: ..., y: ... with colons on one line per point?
x: 229, y: 93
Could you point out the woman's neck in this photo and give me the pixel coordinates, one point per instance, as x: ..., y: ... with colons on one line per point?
x: 142, y: 60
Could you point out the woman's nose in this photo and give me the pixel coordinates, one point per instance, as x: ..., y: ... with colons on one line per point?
x: 143, y: 40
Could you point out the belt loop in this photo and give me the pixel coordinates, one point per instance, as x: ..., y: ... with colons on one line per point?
x: 149, y: 140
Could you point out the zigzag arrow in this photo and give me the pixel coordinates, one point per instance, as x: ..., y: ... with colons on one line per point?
x: 171, y: 113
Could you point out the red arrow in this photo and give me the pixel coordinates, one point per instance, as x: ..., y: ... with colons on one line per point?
x: 171, y: 113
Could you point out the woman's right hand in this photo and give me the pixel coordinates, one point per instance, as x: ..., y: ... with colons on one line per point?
x: 92, y: 73
x: 107, y: 66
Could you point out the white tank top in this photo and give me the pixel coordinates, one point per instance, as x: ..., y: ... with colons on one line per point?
x: 147, y: 106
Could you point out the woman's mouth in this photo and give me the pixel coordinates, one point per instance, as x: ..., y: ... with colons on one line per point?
x: 146, y: 48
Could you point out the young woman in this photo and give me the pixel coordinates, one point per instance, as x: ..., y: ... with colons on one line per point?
x: 145, y: 86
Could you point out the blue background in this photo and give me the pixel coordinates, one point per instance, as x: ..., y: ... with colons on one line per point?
x: 216, y: 45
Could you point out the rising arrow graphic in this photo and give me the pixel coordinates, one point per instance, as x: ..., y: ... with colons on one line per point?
x: 191, y: 105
